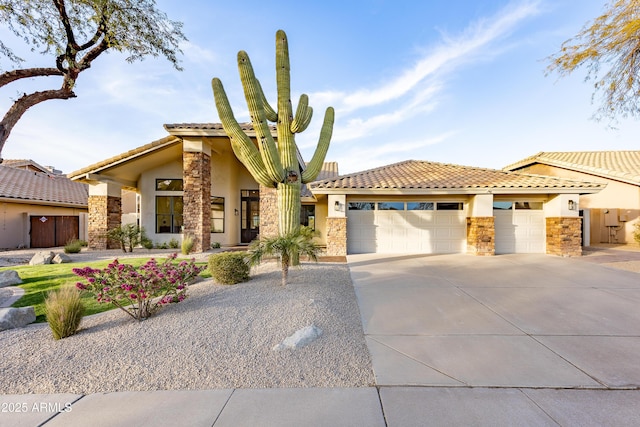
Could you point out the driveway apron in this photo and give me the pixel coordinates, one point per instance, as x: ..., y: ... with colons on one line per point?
x: 510, y: 321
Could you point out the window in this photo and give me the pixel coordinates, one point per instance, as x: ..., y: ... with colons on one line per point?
x: 420, y: 206
x: 502, y: 206
x: 361, y: 206
x: 217, y: 214
x: 450, y: 206
x: 529, y: 205
x: 168, y: 214
x: 391, y: 206
x: 308, y: 216
x: 169, y: 185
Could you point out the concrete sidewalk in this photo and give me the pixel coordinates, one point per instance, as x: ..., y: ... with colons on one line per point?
x: 454, y: 339
x: 392, y: 406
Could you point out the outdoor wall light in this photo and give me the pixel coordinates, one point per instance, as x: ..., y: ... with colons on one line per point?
x: 235, y: 212
x: 572, y: 205
x: 336, y: 206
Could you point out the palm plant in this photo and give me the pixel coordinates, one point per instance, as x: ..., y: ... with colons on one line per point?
x: 288, y: 248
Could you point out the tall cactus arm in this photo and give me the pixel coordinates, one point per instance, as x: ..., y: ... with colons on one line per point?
x: 315, y: 165
x: 252, y: 93
x: 243, y: 147
x: 286, y: 141
x: 272, y: 115
x: 303, y: 115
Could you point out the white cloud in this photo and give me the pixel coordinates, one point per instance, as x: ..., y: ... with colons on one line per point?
x: 414, y: 90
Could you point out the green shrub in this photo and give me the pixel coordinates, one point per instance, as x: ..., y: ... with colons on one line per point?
x: 215, y: 245
x: 147, y: 243
x: 187, y: 244
x: 83, y: 243
x: 636, y: 233
x: 174, y: 244
x: 64, y: 311
x: 229, y: 268
x: 128, y: 236
x: 73, y: 247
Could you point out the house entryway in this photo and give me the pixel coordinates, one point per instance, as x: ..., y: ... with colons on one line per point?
x: 48, y: 231
x: 249, y: 215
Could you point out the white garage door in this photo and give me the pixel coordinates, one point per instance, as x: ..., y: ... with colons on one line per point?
x: 407, y: 230
x: 520, y: 230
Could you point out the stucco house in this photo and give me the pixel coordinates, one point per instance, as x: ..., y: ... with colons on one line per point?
x: 190, y: 182
x: 611, y: 213
x: 39, y: 207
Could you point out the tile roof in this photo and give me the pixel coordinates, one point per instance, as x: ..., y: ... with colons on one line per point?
x: 24, y: 164
x: 422, y: 176
x: 23, y: 185
x: 167, y: 140
x: 198, y: 128
x: 329, y: 170
x: 618, y: 165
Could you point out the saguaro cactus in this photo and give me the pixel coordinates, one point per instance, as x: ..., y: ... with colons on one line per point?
x: 274, y: 164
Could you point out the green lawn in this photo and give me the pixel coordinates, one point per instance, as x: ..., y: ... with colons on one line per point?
x: 37, y: 280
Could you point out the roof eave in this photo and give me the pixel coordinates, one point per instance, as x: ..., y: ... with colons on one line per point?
x: 454, y: 191
x: 43, y: 202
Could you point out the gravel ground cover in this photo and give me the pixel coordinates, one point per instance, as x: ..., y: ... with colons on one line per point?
x: 219, y: 337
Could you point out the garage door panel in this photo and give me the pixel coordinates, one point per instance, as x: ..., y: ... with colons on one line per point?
x: 520, y: 231
x: 406, y: 231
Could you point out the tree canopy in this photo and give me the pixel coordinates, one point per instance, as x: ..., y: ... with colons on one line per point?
x: 74, y: 33
x: 609, y: 48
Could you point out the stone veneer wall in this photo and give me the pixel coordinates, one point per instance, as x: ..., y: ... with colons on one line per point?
x: 104, y: 214
x: 268, y: 212
x: 336, y: 236
x: 197, y: 199
x: 481, y: 235
x: 564, y: 236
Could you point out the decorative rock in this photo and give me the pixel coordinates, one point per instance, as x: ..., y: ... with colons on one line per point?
x: 41, y: 258
x: 9, y: 278
x: 16, y: 317
x: 300, y: 338
x: 61, y: 259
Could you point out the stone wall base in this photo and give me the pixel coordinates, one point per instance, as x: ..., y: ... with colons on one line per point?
x: 197, y: 199
x: 105, y: 213
x: 564, y: 236
x: 268, y: 212
x: 481, y: 236
x: 336, y: 236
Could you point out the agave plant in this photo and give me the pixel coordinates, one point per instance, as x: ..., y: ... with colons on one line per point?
x: 288, y: 248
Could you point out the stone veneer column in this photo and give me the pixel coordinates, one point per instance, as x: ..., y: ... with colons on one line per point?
x: 105, y: 213
x: 336, y: 236
x: 481, y: 236
x: 268, y: 212
x: 564, y: 236
x: 196, y: 214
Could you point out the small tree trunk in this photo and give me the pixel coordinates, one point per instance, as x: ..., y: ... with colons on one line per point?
x: 285, y: 270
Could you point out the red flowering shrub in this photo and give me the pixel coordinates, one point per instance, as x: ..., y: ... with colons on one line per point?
x: 139, y: 292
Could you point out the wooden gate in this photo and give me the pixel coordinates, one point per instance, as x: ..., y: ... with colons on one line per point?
x: 49, y: 230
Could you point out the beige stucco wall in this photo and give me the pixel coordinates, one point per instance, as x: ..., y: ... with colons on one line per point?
x: 616, y: 195
x: 228, y: 178
x: 14, y: 221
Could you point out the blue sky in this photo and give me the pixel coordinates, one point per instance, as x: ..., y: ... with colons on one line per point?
x: 456, y: 81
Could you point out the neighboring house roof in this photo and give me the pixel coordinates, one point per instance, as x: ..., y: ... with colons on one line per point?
x: 617, y: 165
x: 422, y: 177
x: 28, y: 164
x: 208, y: 129
x: 21, y: 185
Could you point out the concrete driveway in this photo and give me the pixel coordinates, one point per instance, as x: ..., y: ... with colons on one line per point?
x: 531, y: 330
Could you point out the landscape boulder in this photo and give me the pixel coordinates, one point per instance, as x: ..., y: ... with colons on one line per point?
x: 61, y: 259
x: 9, y: 278
x: 16, y: 317
x: 300, y: 338
x: 41, y: 258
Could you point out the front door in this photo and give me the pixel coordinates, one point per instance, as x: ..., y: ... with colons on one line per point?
x: 250, y: 215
